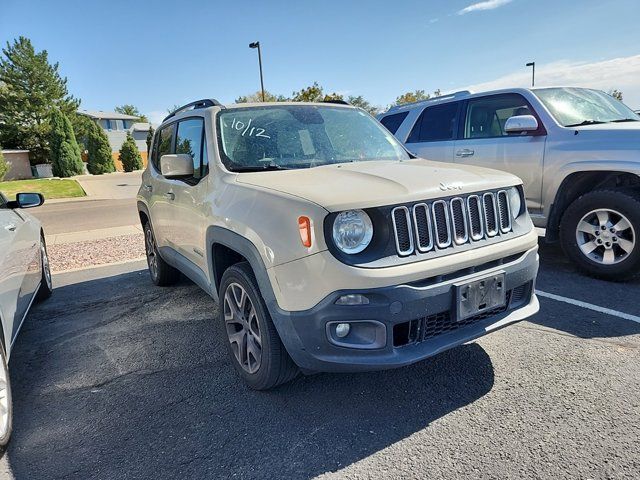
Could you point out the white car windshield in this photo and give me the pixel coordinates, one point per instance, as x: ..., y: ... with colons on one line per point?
x: 573, y: 107
x: 301, y: 136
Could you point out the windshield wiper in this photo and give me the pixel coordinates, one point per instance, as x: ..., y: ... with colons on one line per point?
x: 258, y: 168
x: 586, y: 122
x: 625, y: 120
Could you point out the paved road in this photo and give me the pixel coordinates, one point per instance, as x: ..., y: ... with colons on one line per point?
x: 86, y: 215
x: 111, y: 186
x: 115, y: 378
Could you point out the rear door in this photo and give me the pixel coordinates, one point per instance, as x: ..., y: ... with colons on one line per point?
x: 483, y: 141
x: 433, y: 135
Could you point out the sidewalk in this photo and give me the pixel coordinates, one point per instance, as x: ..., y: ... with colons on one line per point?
x: 90, y: 235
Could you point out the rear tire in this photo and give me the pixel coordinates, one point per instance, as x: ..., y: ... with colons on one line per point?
x: 252, y: 341
x: 600, y: 233
x: 6, y: 407
x: 162, y: 274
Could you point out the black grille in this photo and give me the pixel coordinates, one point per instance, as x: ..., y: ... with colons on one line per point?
x: 490, y: 214
x: 403, y: 232
x: 440, y: 218
x: 475, y: 221
x: 424, y: 328
x: 459, y: 221
x: 422, y: 220
x: 503, y: 210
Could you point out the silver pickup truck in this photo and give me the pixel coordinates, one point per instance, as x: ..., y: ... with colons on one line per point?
x: 577, y: 151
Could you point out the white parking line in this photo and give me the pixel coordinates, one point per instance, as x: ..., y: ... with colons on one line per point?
x: 589, y: 306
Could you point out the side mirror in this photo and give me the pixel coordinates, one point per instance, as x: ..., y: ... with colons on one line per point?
x: 27, y: 200
x: 521, y: 124
x: 176, y: 165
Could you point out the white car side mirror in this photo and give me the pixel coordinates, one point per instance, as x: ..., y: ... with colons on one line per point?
x: 521, y: 124
x: 176, y: 165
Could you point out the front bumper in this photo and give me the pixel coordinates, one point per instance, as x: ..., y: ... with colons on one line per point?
x: 407, y: 322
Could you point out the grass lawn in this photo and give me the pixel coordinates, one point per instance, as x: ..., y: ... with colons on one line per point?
x: 49, y: 187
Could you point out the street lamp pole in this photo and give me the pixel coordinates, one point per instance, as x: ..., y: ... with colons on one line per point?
x: 257, y: 45
x: 533, y: 72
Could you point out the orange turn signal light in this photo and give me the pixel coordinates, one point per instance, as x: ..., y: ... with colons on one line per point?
x: 304, y: 225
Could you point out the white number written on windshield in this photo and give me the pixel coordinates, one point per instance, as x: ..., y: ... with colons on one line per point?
x: 247, y: 129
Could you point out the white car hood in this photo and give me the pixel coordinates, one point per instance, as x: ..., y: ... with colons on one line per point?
x: 377, y: 183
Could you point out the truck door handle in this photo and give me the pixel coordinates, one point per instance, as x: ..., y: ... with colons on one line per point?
x: 170, y: 195
x: 11, y: 227
x: 148, y: 188
x: 465, y: 152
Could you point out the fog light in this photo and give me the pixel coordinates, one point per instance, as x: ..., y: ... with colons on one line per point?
x: 352, y: 299
x: 342, y: 330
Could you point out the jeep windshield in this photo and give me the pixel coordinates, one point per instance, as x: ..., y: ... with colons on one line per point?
x: 573, y: 107
x: 283, y: 137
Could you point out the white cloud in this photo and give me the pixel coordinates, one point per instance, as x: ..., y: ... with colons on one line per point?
x: 620, y: 73
x: 486, y: 5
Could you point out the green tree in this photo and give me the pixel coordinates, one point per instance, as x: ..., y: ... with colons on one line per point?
x: 149, y: 139
x: 32, y: 89
x: 128, y: 109
x: 314, y: 93
x: 416, y: 96
x: 360, y: 101
x: 99, y: 151
x: 82, y: 125
x: 129, y: 155
x: 4, y: 168
x: 257, y: 97
x: 66, y: 158
x: 617, y: 94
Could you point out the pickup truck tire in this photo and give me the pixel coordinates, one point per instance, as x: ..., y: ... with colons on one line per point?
x: 600, y: 232
x: 252, y: 341
x: 162, y: 274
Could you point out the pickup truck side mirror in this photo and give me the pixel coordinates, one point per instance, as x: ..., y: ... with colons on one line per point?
x: 177, y: 165
x: 26, y: 200
x: 521, y: 124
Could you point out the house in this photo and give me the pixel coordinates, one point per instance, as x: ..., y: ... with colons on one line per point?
x: 116, y: 125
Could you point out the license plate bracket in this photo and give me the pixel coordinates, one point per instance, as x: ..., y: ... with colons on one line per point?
x: 479, y: 296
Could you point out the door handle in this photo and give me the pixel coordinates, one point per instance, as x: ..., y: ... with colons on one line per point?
x: 465, y: 152
x: 148, y: 188
x: 170, y: 195
x: 11, y: 227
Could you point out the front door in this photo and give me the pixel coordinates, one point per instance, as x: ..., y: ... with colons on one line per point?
x: 484, y: 142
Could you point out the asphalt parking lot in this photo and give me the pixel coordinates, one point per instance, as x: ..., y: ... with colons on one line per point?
x: 115, y: 378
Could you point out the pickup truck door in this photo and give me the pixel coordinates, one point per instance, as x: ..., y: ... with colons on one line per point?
x: 483, y: 142
x: 432, y: 136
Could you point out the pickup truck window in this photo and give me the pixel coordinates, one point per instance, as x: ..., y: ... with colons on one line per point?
x: 572, y: 107
x: 486, y: 116
x: 282, y: 137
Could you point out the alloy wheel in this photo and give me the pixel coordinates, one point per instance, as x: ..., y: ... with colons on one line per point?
x: 4, y: 400
x: 605, y: 236
x: 242, y: 327
x: 152, y: 256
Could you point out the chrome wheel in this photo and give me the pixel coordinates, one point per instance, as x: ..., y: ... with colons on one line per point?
x: 605, y: 236
x: 152, y: 254
x: 242, y: 327
x: 45, y: 265
x: 4, y: 400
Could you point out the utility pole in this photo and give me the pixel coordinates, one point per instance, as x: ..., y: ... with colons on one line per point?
x: 257, y: 45
x: 533, y: 72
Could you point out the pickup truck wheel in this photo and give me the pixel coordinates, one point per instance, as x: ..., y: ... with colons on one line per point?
x: 599, y: 232
x: 253, y: 343
x: 162, y: 274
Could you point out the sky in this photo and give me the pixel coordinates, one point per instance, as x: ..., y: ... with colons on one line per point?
x: 158, y: 54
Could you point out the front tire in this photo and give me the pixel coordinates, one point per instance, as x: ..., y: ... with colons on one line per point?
x: 162, y: 274
x: 46, y: 284
x: 253, y: 344
x: 600, y: 234
x: 6, y: 407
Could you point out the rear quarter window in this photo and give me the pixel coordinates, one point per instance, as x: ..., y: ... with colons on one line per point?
x: 393, y: 122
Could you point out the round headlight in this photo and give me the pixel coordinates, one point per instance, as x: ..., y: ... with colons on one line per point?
x: 352, y: 231
x: 515, y: 202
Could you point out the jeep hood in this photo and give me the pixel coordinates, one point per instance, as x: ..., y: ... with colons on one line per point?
x: 377, y: 183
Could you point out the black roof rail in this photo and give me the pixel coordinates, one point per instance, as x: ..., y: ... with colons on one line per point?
x: 204, y: 103
x: 337, y: 101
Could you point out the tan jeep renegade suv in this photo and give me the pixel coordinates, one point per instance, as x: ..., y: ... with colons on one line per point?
x: 328, y: 246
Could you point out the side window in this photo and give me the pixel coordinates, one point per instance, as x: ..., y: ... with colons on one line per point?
x: 189, y: 141
x: 164, y: 144
x: 435, y: 124
x: 486, y: 116
x: 393, y: 122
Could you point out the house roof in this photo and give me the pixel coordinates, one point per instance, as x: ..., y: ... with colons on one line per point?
x: 99, y: 114
x: 141, y: 127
